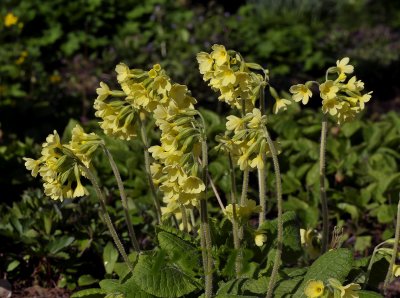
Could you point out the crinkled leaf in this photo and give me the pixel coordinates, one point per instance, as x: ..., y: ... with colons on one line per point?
x: 110, y: 257
x: 90, y: 293
x: 162, y: 279
x: 333, y: 264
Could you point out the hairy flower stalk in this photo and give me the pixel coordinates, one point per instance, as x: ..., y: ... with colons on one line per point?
x: 145, y: 141
x: 278, y: 182
x: 389, y: 275
x: 124, y: 200
x: 342, y: 98
x: 205, y: 227
x: 324, y: 201
x: 107, y: 218
x: 62, y: 165
x: 261, y: 190
x: 235, y: 227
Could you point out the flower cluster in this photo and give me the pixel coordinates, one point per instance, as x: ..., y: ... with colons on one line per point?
x: 245, y: 140
x: 171, y: 105
x: 60, y: 164
x: 228, y: 73
x: 175, y: 169
x: 333, y: 288
x: 342, y: 97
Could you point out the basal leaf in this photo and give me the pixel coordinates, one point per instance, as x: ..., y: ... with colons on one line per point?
x: 90, y: 293
x: 333, y: 264
x: 162, y: 279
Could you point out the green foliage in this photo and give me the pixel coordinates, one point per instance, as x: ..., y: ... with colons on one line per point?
x: 333, y: 264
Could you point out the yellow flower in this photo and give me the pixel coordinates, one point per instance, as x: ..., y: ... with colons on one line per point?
x: 234, y: 123
x: 10, y: 19
x: 396, y: 270
x: 55, y: 79
x: 219, y: 54
x: 256, y: 118
x: 243, y: 162
x: 301, y: 93
x: 331, y: 105
x: 260, y: 239
x: 205, y: 62
x: 343, y: 65
x: 193, y: 185
x: 363, y: 99
x: 257, y: 162
x: 225, y: 77
x: 280, y: 104
x: 123, y: 72
x: 314, y: 288
x: 21, y: 58
x: 103, y: 92
x: 349, y: 291
x: 80, y: 190
x: 328, y: 90
x: 32, y: 165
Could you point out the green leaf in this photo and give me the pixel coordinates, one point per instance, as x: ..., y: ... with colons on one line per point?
x: 286, y: 287
x: 351, y: 209
x: 231, y: 287
x: 14, y: 264
x: 58, y: 244
x: 349, y: 128
x: 290, y: 183
x: 175, y: 245
x: 256, y: 286
x: 291, y: 235
x: 110, y: 257
x: 333, y: 264
x: 362, y: 243
x: 90, y: 293
x: 162, y: 280
x: 312, y: 176
x: 368, y: 294
x: 131, y: 289
x: 85, y: 280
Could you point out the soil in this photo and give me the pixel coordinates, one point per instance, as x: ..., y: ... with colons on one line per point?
x: 39, y: 292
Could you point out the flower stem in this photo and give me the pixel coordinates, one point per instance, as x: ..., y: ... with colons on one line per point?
x: 124, y: 200
x: 389, y: 274
x: 184, y: 218
x: 324, y: 201
x: 371, y: 262
x: 261, y: 189
x: 245, y: 187
x: 235, y: 228
x: 278, y: 183
x: 107, y: 218
x: 243, y: 197
x: 205, y: 227
x: 148, y: 172
x: 221, y: 205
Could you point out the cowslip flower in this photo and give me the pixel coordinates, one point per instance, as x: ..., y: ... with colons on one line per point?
x: 60, y: 164
x: 314, y: 289
x: 243, y: 212
x: 219, y: 54
x: 260, y: 239
x: 328, y: 90
x: 280, y: 104
x: 10, y: 19
x: 300, y: 93
x: 205, y: 62
x: 348, y: 291
x: 343, y: 65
